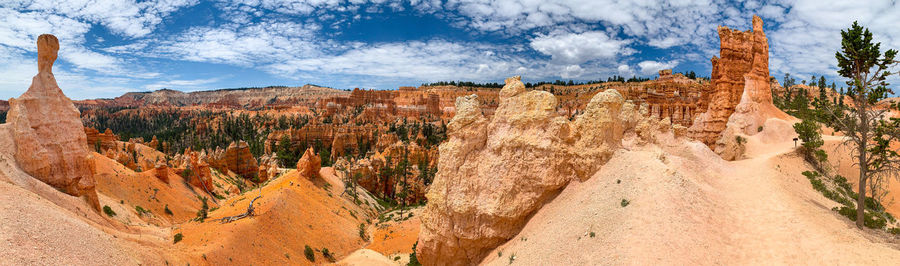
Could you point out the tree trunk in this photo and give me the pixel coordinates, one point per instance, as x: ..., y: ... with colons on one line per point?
x: 864, y: 136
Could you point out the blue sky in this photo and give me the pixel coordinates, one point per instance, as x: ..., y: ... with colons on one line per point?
x: 115, y: 46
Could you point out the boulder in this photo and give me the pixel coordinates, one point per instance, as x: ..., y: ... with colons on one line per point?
x: 51, y: 144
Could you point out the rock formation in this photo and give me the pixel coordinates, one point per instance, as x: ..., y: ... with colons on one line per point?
x: 240, y: 161
x: 494, y: 173
x: 201, y: 175
x: 310, y: 164
x: 48, y: 132
x: 162, y: 171
x: 106, y: 140
x: 740, y: 86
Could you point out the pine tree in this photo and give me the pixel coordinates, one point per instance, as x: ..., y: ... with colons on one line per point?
x: 861, y: 61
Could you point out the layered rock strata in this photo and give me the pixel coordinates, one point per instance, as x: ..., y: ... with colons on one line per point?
x: 48, y: 132
x: 740, y: 76
x: 494, y: 173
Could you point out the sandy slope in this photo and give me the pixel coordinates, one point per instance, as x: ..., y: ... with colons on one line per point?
x: 687, y: 206
x: 293, y: 212
x: 840, y: 158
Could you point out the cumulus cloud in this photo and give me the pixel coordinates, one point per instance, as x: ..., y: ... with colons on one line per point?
x: 431, y: 60
x: 624, y: 70
x: 577, y: 48
x: 650, y: 67
x: 805, y: 44
x: 296, y: 39
x: 572, y: 71
x: 128, y: 17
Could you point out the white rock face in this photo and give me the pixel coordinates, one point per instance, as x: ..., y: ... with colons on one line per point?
x: 494, y: 173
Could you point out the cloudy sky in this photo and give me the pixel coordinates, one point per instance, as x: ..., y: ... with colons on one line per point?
x: 109, y: 47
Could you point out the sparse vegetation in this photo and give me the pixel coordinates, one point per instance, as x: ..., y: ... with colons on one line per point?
x: 740, y: 140
x: 327, y: 254
x: 140, y: 210
x: 413, y: 260
x: 109, y: 212
x: 875, y: 216
x: 362, y: 232
x: 204, y: 210
x: 309, y: 253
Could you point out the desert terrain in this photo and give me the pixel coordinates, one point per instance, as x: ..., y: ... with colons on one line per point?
x: 669, y: 170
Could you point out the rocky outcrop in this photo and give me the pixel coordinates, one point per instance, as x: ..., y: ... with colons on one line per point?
x: 239, y: 160
x: 201, y: 174
x: 494, y: 173
x: 162, y: 171
x: 310, y: 164
x: 48, y: 132
x: 268, y: 167
x: 740, y: 85
x: 106, y: 140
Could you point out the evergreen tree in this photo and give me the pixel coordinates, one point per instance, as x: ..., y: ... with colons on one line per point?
x: 861, y: 61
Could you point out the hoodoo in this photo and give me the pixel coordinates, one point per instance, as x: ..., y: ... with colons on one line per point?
x: 495, y: 172
x: 48, y: 132
x: 740, y: 75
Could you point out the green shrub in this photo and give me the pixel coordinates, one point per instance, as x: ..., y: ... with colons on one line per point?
x: 168, y: 211
x: 109, y: 212
x: 414, y: 261
x: 309, y: 253
x: 140, y: 210
x: 625, y: 202
x: 204, y: 210
x: 327, y: 254
x: 871, y: 220
x: 362, y: 232
x: 740, y: 140
x: 894, y: 230
x: 759, y: 129
x: 177, y: 238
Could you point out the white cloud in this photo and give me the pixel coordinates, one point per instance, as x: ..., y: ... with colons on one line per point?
x: 805, y: 43
x: 577, y: 48
x: 624, y: 70
x: 128, y: 17
x: 650, y: 67
x: 430, y: 60
x: 572, y: 71
x: 180, y: 84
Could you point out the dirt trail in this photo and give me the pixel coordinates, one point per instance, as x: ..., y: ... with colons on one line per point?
x: 687, y: 206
